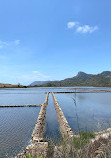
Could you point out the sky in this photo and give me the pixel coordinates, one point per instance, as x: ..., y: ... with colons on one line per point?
x: 53, y: 39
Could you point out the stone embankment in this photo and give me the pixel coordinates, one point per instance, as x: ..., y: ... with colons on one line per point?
x: 84, y: 91
x: 65, y: 129
x: 39, y: 129
x: 38, y: 147
x: 16, y: 106
x: 71, y: 92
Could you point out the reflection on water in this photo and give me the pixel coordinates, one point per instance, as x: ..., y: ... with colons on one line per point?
x: 93, y: 109
x: 52, y: 125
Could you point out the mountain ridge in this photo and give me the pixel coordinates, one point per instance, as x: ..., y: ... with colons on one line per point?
x: 83, y: 79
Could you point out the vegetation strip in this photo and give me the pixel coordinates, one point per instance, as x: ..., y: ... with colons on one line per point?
x: 64, y: 126
x: 37, y: 147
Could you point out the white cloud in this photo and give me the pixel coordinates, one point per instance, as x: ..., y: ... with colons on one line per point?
x: 31, y: 77
x: 9, y: 43
x: 71, y: 24
x: 86, y: 29
x: 39, y: 75
x: 17, y: 42
x: 2, y: 43
x: 81, y: 28
x: 23, y: 78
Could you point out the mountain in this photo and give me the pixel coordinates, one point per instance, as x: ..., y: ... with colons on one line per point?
x: 105, y: 74
x: 82, y: 76
x: 38, y: 83
x: 82, y: 79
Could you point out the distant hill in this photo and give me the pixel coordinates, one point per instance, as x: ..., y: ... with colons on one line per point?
x: 82, y: 79
x: 38, y: 83
x: 106, y: 74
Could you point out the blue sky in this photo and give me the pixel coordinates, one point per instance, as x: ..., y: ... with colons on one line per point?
x: 53, y: 39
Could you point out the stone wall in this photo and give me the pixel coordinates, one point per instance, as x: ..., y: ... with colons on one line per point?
x: 16, y: 106
x: 39, y: 129
x: 63, y: 124
x: 37, y: 146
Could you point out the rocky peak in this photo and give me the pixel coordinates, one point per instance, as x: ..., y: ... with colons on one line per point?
x: 82, y: 76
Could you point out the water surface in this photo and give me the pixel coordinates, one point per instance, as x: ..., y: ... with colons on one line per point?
x: 21, y: 96
x: 16, y: 126
x: 92, y: 109
x: 52, y: 125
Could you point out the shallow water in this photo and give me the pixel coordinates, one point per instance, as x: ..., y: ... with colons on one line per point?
x: 17, y: 124
x: 22, y: 96
x: 93, y: 110
x: 52, y: 125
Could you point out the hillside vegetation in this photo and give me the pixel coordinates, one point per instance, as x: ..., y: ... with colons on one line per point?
x: 82, y: 79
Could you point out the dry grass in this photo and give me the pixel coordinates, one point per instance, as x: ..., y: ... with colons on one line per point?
x: 80, y: 148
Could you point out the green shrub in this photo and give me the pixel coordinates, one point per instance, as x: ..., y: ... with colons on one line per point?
x: 30, y: 156
x: 87, y: 135
x: 39, y: 156
x: 84, y: 138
